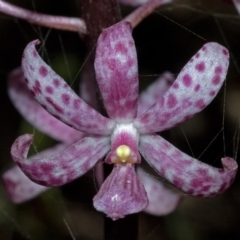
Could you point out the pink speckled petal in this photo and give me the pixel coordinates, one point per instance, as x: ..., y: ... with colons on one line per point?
x: 186, y: 173
x: 19, y: 187
x: 195, y: 87
x: 34, y: 113
x: 156, y: 90
x: 237, y: 5
x: 58, y: 98
x: 121, y: 193
x: 162, y: 201
x: 65, y: 165
x: 117, y: 72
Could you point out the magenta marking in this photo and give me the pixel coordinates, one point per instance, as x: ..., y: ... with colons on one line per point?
x: 49, y: 89
x: 200, y: 66
x: 187, y: 80
x: 43, y: 71
x: 197, y: 88
x: 172, y: 101
x: 55, y: 106
x: 65, y: 98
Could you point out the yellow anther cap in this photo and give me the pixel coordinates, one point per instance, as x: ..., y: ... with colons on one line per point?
x: 123, y: 152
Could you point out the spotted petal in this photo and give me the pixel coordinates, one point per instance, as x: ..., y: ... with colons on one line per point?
x: 162, y: 201
x: 65, y: 165
x: 117, y: 72
x: 186, y: 173
x: 58, y: 98
x: 195, y: 87
x: 19, y: 187
x: 34, y: 113
x: 121, y: 193
x: 156, y: 90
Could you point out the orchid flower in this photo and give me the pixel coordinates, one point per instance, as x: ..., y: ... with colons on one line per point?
x: 124, y: 134
x: 20, y: 188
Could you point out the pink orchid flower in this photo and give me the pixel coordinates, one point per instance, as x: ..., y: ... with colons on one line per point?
x: 20, y: 188
x: 124, y: 134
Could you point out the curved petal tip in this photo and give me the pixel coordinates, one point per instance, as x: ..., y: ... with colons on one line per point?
x: 229, y: 164
x: 21, y: 146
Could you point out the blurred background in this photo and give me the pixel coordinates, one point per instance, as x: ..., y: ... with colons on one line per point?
x: 165, y: 41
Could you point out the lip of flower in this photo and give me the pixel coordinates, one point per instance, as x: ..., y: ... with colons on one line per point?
x: 116, y: 73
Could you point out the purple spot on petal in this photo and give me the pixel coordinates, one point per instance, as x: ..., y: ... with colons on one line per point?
x: 187, y: 80
x: 197, y: 87
x: 175, y: 85
x: 197, y: 55
x: 120, y: 47
x: 216, y: 80
x: 49, y: 89
x: 218, y: 70
x: 65, y: 98
x: 56, y: 82
x: 37, y: 88
x: 54, y: 105
x: 172, y: 101
x: 200, y: 67
x: 212, y: 93
x: 225, y: 51
x: 204, y: 48
x: 76, y: 104
x: 196, y: 183
x: 26, y: 80
x: 200, y: 104
x: 178, y: 182
x: 43, y: 71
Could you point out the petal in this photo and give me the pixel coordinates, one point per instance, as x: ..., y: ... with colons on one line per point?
x: 121, y: 193
x: 186, y: 173
x: 162, y: 201
x: 58, y: 98
x: 64, y: 166
x: 195, y: 87
x: 19, y: 187
x: 154, y: 92
x: 237, y: 5
x: 117, y: 72
x: 34, y: 113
